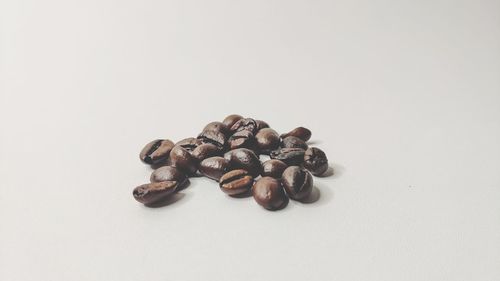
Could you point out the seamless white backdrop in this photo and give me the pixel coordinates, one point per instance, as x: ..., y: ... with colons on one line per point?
x: 404, y: 97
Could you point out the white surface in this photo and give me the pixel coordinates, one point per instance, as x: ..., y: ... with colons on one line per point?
x: 404, y: 97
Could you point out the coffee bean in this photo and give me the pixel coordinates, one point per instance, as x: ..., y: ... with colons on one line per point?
x: 247, y: 124
x: 273, y: 168
x: 315, y: 161
x: 267, y: 140
x: 261, y: 124
x: 236, y: 182
x: 293, y: 142
x: 269, y: 193
x: 291, y: 156
x: 169, y: 173
x: 242, y: 139
x: 156, y: 152
x: 243, y: 158
x: 213, y: 137
x: 214, y: 167
x: 300, y: 132
x: 205, y: 150
x: 154, y: 192
x: 189, y: 143
x: 182, y: 159
x: 216, y: 127
x: 297, y: 182
x: 231, y: 119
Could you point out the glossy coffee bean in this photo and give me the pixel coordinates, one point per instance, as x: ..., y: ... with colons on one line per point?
x: 154, y: 192
x: 297, y: 182
x: 300, y: 132
x: 291, y: 156
x: 293, y: 142
x: 315, y: 161
x: 231, y: 119
x: 269, y: 193
x: 273, y: 168
x: 267, y: 140
x: 243, y: 158
x: 182, y: 159
x: 169, y: 173
x: 242, y: 139
x: 156, y: 152
x: 236, y: 182
x: 189, y: 143
x: 205, y: 150
x: 261, y: 124
x: 213, y: 137
x: 216, y: 127
x: 214, y: 167
x: 247, y: 124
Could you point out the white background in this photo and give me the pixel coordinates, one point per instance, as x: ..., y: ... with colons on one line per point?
x: 404, y: 97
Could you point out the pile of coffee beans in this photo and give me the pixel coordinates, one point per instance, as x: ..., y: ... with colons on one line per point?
x: 228, y: 152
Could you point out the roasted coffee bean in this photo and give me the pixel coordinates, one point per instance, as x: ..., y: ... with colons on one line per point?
x: 214, y: 167
x: 189, y: 143
x: 300, y: 132
x: 269, y: 193
x: 267, y: 140
x: 243, y: 158
x: 315, y: 161
x: 247, y: 124
x: 169, y: 173
x: 273, y: 168
x: 182, y: 159
x: 206, y: 150
x: 216, y: 127
x: 236, y: 182
x: 293, y: 142
x: 291, y: 156
x: 261, y: 124
x: 297, y: 182
x: 242, y: 139
x: 216, y: 138
x: 156, y: 152
x: 231, y: 119
x: 154, y: 192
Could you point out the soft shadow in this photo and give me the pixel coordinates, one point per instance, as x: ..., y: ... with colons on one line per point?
x: 167, y: 201
x: 327, y: 194
x: 334, y: 170
x: 313, y: 196
x: 313, y: 142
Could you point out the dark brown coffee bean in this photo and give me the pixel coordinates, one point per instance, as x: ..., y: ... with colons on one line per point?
x: 154, y: 192
x: 291, y: 156
x: 213, y: 137
x: 315, y: 161
x: 214, y: 167
x: 216, y: 127
x: 205, y: 150
x: 156, y: 152
x: 183, y: 160
x: 273, y: 168
x: 269, y: 193
x: 231, y: 119
x: 247, y: 124
x: 261, y: 124
x: 243, y: 158
x: 242, y: 139
x: 293, y: 142
x: 169, y: 173
x: 300, y: 132
x: 189, y: 143
x: 236, y: 182
x: 267, y: 140
x: 297, y: 182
